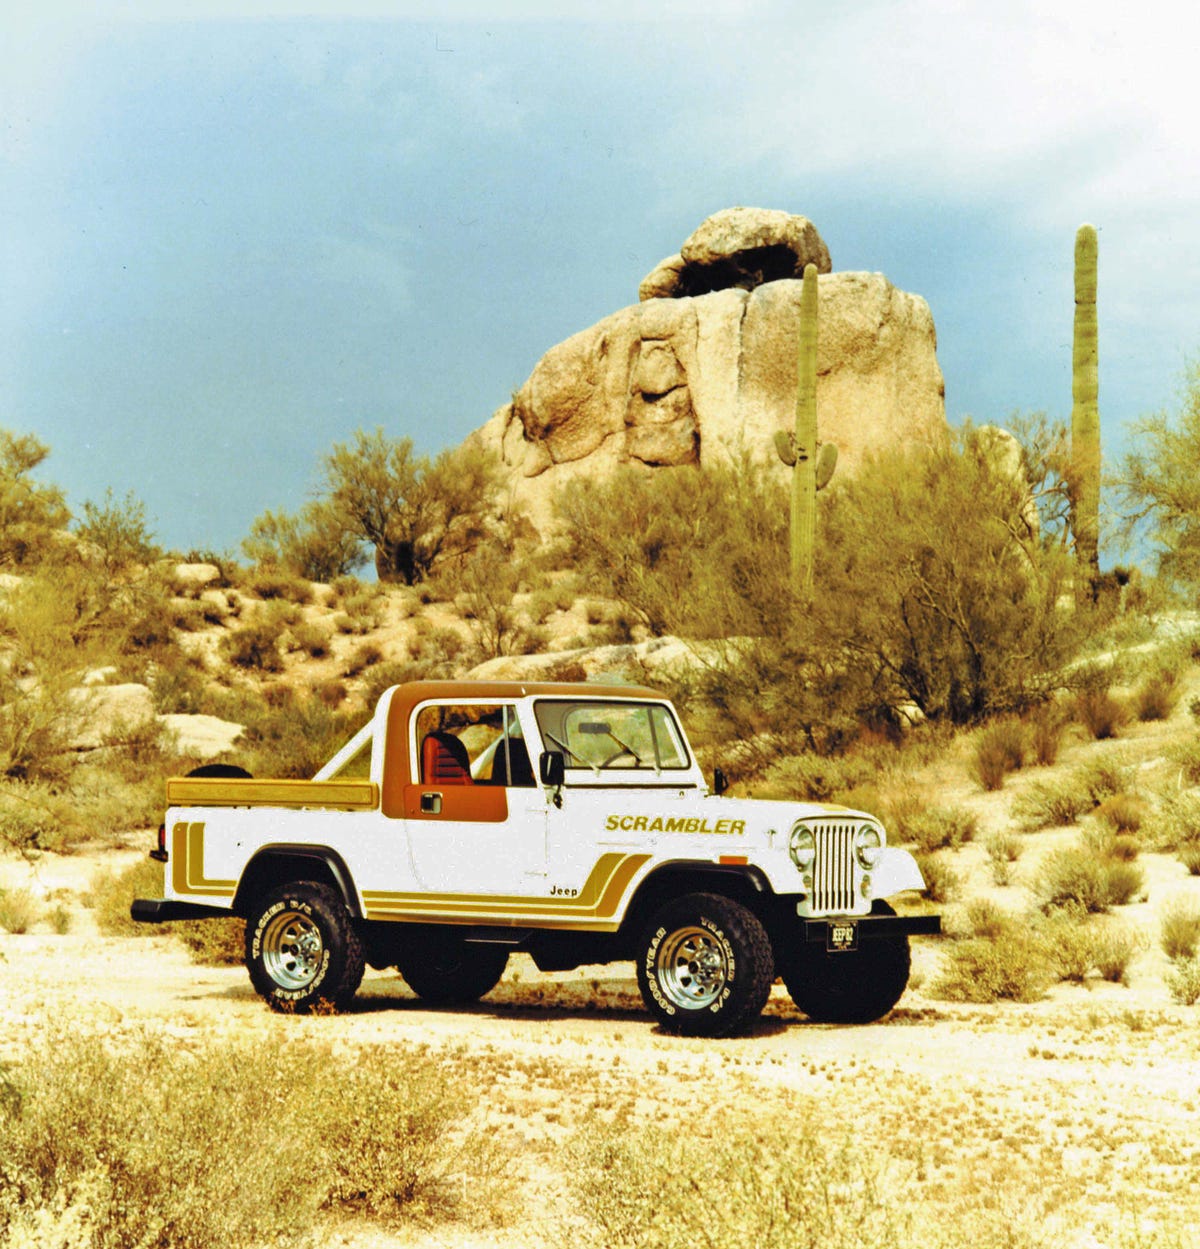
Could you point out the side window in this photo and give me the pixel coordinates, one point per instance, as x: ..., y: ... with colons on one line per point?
x: 471, y: 744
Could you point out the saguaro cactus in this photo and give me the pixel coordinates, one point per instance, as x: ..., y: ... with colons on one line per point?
x: 811, y: 467
x: 1085, y: 410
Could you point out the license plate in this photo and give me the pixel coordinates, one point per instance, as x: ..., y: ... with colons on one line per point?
x: 842, y: 935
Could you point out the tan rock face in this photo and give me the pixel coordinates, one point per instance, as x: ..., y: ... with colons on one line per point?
x: 681, y: 381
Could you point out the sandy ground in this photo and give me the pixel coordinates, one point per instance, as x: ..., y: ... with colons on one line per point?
x: 1088, y: 1100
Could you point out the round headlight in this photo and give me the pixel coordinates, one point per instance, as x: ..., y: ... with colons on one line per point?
x: 803, y: 847
x: 867, y: 845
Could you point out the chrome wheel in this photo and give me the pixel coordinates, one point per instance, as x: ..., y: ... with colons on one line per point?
x: 292, y: 950
x: 691, y: 968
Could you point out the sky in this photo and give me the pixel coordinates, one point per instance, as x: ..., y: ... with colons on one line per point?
x: 232, y: 232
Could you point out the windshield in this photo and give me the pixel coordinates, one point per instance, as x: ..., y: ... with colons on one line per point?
x: 599, y: 735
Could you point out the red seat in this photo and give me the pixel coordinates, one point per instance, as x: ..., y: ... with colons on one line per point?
x: 444, y: 760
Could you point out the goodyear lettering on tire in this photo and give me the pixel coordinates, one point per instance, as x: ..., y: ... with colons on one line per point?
x: 651, y: 978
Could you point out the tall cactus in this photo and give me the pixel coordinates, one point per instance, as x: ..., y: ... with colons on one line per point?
x: 811, y: 467
x: 1085, y: 410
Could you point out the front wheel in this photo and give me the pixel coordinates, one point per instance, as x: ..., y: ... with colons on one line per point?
x: 302, y: 951
x: 857, y: 986
x: 705, y: 966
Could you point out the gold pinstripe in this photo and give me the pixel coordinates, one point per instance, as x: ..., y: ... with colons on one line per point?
x: 594, y: 906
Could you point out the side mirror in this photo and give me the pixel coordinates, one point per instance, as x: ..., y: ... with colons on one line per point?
x: 552, y: 768
x: 720, y: 782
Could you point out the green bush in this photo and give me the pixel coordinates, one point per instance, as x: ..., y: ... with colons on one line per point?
x: 939, y: 828
x: 1123, y: 813
x: 1011, y: 965
x: 1075, y: 877
x: 941, y: 881
x: 1189, y: 856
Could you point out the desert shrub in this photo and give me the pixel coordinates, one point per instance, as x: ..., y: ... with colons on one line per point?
x: 1186, y: 756
x: 1100, y: 712
x: 1114, y: 947
x: 1003, y: 850
x: 331, y: 693
x: 279, y: 587
x: 216, y: 942
x: 1189, y: 856
x: 1183, y: 981
x: 30, y: 512
x: 314, y: 544
x: 361, y: 613
x: 1179, y: 928
x: 82, y: 1126
x: 1104, y: 778
x: 112, y: 892
x: 177, y: 688
x: 1157, y: 696
x: 984, y: 918
x: 1011, y: 965
x: 254, y: 646
x: 939, y: 828
x: 942, y: 883
x: 18, y: 910
x: 999, y: 749
x: 1069, y: 944
x: 1045, y: 734
x: 961, y: 622
x: 117, y: 530
x: 1049, y: 804
x: 1123, y: 813
x: 773, y: 1183
x: 1075, y: 877
x: 361, y: 658
x: 291, y: 740
x: 312, y: 639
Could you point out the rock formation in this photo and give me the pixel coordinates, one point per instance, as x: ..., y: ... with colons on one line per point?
x: 705, y: 365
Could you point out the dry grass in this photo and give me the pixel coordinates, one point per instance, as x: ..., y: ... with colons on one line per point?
x: 138, y: 1144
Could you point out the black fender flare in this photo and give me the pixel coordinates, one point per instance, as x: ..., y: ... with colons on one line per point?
x: 742, y: 881
x: 336, y: 871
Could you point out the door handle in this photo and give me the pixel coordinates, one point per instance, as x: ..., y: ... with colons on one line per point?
x: 431, y: 804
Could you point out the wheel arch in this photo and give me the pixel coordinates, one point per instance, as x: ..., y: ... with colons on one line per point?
x: 274, y: 865
x: 742, y: 882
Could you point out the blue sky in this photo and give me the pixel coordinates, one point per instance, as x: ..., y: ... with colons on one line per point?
x: 233, y: 233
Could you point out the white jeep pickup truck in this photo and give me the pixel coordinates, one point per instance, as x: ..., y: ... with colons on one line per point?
x: 468, y: 820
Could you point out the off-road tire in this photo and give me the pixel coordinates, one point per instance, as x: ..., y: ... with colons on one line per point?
x: 302, y: 950
x: 855, y: 986
x: 451, y: 971
x: 704, y: 966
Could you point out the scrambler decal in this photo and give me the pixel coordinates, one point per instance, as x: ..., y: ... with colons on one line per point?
x: 672, y: 824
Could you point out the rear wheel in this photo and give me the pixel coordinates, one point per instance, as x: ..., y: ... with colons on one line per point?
x: 302, y: 951
x: 704, y: 966
x: 448, y: 969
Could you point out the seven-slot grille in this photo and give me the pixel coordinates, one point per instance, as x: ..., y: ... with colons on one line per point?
x: 833, y: 868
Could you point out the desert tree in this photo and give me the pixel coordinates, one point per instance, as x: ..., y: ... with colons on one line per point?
x: 411, y: 509
x: 29, y: 510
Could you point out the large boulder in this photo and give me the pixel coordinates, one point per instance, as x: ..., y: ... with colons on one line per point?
x: 738, y: 247
x: 695, y: 379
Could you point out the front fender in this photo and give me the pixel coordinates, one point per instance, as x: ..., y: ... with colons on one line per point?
x: 895, y: 872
